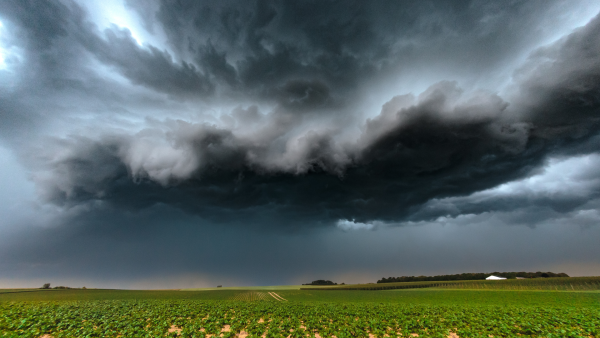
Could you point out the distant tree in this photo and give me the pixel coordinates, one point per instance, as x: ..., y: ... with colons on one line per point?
x: 45, y: 286
x: 321, y: 282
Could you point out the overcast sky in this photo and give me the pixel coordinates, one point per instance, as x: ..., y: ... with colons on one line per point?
x: 171, y: 144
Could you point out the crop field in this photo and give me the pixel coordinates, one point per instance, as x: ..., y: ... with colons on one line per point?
x: 264, y: 288
x: 298, y: 313
x: 254, y: 295
x: 555, y: 284
x: 189, y: 318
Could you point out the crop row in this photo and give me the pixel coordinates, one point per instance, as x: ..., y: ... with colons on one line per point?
x: 556, y: 284
x: 382, y: 287
x: 252, y: 296
x: 187, y: 318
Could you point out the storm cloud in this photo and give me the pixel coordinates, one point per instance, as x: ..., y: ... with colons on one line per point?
x: 301, y: 117
x: 443, y: 142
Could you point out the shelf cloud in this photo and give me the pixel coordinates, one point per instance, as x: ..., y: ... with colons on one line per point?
x: 302, y: 116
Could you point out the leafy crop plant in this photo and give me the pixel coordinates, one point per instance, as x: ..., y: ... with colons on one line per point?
x: 193, y: 318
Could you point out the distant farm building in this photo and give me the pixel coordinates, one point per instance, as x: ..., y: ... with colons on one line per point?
x: 492, y: 277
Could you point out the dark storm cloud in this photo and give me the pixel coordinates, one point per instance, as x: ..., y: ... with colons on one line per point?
x: 294, y: 162
x: 564, y: 187
x: 256, y: 47
x: 145, y: 131
x: 56, y: 36
x: 41, y: 22
x: 560, y: 84
x: 149, y: 66
x: 439, y: 144
x: 259, y: 48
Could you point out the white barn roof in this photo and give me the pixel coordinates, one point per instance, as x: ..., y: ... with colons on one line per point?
x: 492, y: 277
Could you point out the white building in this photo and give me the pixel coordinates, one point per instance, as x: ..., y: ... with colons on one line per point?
x: 492, y: 277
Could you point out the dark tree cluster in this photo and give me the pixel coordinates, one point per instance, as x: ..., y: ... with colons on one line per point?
x: 321, y: 282
x: 472, y: 276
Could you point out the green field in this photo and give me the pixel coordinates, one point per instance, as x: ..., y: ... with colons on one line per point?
x: 554, y: 284
x: 429, y: 296
x: 253, y: 312
x: 262, y: 288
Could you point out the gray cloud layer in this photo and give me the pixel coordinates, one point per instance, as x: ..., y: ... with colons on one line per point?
x: 289, y: 115
x: 445, y: 142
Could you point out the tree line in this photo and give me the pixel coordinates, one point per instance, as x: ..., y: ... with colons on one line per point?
x: 321, y: 282
x: 472, y: 276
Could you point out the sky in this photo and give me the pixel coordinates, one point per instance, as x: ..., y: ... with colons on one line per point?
x: 183, y: 144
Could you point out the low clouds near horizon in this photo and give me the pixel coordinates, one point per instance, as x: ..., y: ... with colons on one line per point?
x: 128, y: 123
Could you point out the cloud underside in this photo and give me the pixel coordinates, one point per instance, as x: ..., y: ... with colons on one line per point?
x: 287, y: 145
